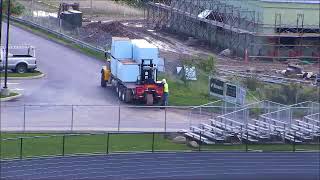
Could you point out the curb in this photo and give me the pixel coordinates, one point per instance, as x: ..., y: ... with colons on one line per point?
x: 29, y: 77
x: 10, y: 98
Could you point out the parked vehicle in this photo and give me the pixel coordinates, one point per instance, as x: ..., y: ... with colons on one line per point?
x: 21, y: 59
x: 132, y: 70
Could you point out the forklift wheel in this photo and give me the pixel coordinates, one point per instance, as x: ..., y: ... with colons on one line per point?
x: 149, y: 98
x: 103, y: 82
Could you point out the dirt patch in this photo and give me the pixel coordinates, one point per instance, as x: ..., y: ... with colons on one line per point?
x: 101, y: 33
x: 174, y: 47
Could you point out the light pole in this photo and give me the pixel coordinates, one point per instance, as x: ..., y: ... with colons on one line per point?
x: 1, y: 4
x: 5, y: 91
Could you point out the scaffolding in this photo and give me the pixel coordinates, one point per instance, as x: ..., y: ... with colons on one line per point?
x: 227, y: 24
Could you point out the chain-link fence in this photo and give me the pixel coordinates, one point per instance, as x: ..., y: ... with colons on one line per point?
x: 106, y: 117
x: 95, y: 25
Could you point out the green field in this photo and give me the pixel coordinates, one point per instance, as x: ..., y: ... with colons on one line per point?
x: 34, y: 145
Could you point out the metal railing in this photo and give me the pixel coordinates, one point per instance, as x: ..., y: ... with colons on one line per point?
x: 97, y: 118
x: 59, y: 34
x: 20, y: 146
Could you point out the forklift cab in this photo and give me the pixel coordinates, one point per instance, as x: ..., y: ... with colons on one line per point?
x: 148, y: 72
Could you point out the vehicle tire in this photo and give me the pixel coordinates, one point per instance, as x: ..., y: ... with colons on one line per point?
x: 123, y: 95
x: 149, y: 99
x: 120, y: 93
x: 117, y: 89
x: 103, y: 82
x: 21, y: 68
x: 128, y: 96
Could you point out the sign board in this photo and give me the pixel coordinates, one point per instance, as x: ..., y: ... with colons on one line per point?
x: 229, y: 92
x: 216, y: 87
x: 190, y: 73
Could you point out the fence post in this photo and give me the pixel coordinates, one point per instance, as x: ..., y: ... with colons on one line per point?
x: 165, y: 119
x: 108, y: 143
x: 119, y: 118
x: 71, y: 118
x: 294, y: 142
x: 152, y: 141
x: 247, y: 141
x: 24, y: 117
x: 63, y: 144
x: 200, y: 142
x: 21, y: 142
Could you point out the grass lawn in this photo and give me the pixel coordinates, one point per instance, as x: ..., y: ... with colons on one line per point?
x: 81, y: 144
x: 193, y: 93
x: 29, y: 74
x: 11, y: 94
x: 45, y: 144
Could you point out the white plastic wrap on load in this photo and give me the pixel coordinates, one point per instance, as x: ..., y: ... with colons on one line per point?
x: 142, y: 49
x: 121, y: 48
x: 126, y: 70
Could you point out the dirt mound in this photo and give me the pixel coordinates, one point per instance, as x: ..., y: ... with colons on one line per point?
x: 101, y: 33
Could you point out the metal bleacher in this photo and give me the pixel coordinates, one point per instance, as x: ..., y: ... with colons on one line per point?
x: 261, y: 121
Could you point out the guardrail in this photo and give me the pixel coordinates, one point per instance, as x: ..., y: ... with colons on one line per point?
x: 58, y: 34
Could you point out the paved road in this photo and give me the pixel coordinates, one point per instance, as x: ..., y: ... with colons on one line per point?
x: 73, y: 78
x: 213, y: 166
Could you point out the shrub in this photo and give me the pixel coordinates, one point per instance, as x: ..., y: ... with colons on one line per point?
x: 15, y: 7
x: 291, y: 94
x: 252, y: 83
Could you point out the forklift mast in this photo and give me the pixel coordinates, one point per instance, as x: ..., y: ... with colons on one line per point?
x: 147, y: 72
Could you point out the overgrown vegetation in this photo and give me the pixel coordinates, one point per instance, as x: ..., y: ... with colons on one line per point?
x: 16, y: 8
x: 291, y: 94
x: 252, y: 83
x: 284, y: 94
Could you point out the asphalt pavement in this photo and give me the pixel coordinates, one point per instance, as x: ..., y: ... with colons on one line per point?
x: 193, y: 165
x: 71, y: 77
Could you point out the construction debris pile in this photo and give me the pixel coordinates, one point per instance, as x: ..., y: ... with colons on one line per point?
x: 297, y: 71
x: 101, y: 33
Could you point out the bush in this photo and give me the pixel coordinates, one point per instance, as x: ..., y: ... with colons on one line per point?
x: 252, y: 83
x: 15, y: 7
x: 291, y: 94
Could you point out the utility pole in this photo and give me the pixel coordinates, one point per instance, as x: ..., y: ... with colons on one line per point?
x: 5, y: 91
x: 0, y: 21
x: 1, y: 29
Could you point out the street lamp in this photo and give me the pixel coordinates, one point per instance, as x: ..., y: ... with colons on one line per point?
x: 5, y: 91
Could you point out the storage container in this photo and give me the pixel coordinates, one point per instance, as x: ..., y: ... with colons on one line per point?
x: 121, y: 48
x: 142, y: 49
x: 126, y: 70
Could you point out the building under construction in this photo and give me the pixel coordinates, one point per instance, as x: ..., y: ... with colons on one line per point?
x: 260, y: 29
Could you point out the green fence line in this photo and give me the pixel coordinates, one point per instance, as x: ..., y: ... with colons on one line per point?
x: 14, y: 146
